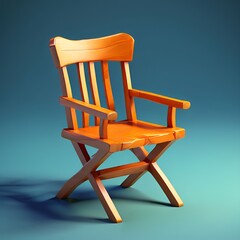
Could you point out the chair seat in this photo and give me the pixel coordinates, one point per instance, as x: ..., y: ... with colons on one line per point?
x: 125, y: 135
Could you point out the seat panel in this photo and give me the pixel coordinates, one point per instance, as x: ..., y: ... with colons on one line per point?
x: 125, y: 135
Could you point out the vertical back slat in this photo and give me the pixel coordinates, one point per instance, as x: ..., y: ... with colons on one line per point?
x: 94, y: 88
x: 107, y: 85
x: 129, y: 101
x: 84, y: 92
x: 67, y: 92
x: 65, y: 82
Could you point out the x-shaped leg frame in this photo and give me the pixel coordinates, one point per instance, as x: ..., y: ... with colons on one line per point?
x: 155, y: 170
x: 88, y: 172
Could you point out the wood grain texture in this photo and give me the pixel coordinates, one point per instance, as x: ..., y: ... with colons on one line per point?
x: 118, y: 47
x: 123, y: 135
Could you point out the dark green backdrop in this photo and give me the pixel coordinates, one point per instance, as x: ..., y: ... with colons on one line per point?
x: 184, y: 49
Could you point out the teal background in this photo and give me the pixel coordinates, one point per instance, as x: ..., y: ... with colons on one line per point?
x: 184, y: 49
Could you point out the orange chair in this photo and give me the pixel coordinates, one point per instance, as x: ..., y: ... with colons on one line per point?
x: 109, y: 135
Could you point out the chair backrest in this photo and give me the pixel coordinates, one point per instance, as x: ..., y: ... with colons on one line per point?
x: 118, y: 47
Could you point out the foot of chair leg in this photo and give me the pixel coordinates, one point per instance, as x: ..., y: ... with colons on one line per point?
x: 105, y: 199
x: 88, y: 166
x: 165, y: 184
x: 70, y: 185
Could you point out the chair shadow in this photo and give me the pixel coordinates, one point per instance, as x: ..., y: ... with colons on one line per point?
x: 132, y: 194
x: 38, y: 198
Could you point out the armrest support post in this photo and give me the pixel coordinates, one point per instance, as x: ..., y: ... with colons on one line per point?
x: 103, y: 128
x: 172, y: 103
x: 171, y: 117
x: 104, y: 114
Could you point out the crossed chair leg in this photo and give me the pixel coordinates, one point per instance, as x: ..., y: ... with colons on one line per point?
x: 136, y: 170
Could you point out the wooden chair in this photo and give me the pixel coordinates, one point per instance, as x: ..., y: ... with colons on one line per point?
x: 107, y: 134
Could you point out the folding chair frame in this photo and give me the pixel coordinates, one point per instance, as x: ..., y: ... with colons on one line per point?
x: 108, y: 135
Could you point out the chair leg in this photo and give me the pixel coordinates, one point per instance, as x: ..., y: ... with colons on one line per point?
x: 97, y: 185
x: 142, y: 154
x: 82, y: 175
x: 105, y: 199
x: 154, y: 169
x: 165, y: 184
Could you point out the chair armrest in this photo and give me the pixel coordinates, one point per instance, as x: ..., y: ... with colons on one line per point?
x: 171, y: 102
x: 97, y: 111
